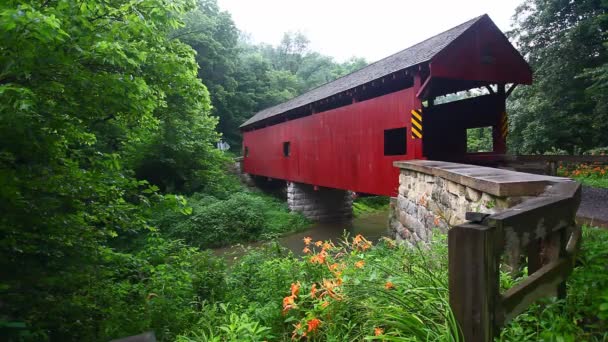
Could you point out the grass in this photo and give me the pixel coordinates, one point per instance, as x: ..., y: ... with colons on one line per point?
x: 583, y: 314
x: 352, y: 291
x: 593, y: 182
x: 588, y: 174
x: 371, y: 204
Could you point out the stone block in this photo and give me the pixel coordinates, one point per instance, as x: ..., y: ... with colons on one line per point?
x: 488, y: 201
x: 473, y: 195
x: 455, y: 188
x: 403, y: 190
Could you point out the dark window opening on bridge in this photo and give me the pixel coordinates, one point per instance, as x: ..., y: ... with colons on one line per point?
x: 395, y: 142
x: 286, y: 149
x: 246, y: 151
x: 480, y: 139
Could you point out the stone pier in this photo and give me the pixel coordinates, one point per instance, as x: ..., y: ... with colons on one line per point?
x: 437, y: 195
x: 322, y: 204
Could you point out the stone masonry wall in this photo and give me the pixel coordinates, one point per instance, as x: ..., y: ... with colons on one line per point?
x: 322, y: 205
x: 426, y: 202
x: 237, y: 169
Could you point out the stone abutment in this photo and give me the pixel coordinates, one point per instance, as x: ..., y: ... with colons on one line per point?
x: 434, y: 195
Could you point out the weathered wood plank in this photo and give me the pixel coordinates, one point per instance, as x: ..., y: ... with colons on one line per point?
x: 535, y: 261
x: 534, y: 219
x: 558, y: 158
x: 474, y: 279
x: 542, y: 283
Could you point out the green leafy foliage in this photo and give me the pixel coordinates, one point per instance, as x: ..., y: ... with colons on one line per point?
x: 387, y: 292
x: 565, y: 107
x: 369, y: 204
x: 580, y: 316
x: 82, y: 82
x: 242, y: 216
x: 479, y: 140
x: 594, y: 175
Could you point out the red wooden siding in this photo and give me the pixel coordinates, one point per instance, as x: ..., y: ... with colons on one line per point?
x: 481, y: 54
x: 341, y: 148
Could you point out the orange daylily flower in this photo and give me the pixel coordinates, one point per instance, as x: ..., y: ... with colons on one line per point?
x: 289, y: 303
x: 330, y: 287
x: 313, y: 290
x: 389, y: 285
x: 313, y: 324
x: 328, y: 246
x: 359, y: 242
x: 422, y: 201
x: 360, y: 264
x: 288, y: 300
x: 306, y: 250
x: 319, y: 258
x: 295, y: 289
x: 389, y: 242
x: 436, y: 221
x: 378, y: 331
x: 319, y: 243
x: 336, y: 269
x: 296, y: 331
x: 307, y: 240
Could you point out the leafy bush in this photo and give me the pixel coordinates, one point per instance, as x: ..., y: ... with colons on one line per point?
x: 220, y: 323
x: 160, y: 288
x: 242, y: 216
x: 356, y: 291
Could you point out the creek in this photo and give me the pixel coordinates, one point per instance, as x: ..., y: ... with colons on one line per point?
x: 372, y: 226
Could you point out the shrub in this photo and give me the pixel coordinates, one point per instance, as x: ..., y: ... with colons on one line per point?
x: 159, y: 288
x: 356, y: 291
x: 243, y: 216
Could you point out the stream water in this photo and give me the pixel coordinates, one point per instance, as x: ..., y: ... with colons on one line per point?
x: 371, y: 226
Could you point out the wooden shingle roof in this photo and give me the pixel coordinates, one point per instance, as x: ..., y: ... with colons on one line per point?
x: 414, y: 55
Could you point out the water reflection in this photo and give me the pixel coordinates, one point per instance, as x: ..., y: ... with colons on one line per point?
x: 372, y: 226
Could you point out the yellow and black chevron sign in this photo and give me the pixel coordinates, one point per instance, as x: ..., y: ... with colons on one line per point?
x: 504, y: 125
x: 416, y: 123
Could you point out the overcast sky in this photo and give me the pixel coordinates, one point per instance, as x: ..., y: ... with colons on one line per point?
x: 372, y: 29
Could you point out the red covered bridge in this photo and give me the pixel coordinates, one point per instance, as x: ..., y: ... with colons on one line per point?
x: 346, y: 134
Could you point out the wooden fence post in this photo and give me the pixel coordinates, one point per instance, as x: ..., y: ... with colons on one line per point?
x: 474, y: 279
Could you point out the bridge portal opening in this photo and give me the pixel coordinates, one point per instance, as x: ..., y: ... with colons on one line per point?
x: 395, y: 142
x: 464, y: 129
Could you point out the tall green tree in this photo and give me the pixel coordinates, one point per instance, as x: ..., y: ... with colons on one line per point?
x: 81, y: 83
x: 563, y: 42
x: 244, y: 78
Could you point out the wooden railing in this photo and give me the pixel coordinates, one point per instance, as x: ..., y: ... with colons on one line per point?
x: 542, y: 229
x: 546, y: 164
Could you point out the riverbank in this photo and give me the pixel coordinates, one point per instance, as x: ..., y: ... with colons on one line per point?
x: 371, y: 224
x: 358, y: 290
x: 371, y: 204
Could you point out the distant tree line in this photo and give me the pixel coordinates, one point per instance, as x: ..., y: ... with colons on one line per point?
x: 244, y: 78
